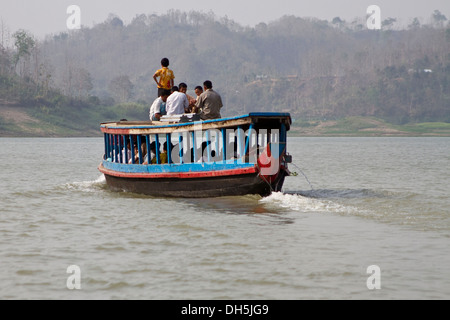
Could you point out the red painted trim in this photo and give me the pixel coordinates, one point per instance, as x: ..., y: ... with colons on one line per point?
x: 179, y: 175
x: 115, y: 131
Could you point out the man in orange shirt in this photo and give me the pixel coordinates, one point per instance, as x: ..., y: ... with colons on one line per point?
x: 166, y: 77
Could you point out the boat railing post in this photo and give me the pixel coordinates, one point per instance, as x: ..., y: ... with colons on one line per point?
x: 169, y: 147
x: 139, y: 142
x: 224, y: 145
x: 158, y: 160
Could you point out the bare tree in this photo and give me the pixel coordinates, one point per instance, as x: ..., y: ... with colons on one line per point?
x: 121, y: 88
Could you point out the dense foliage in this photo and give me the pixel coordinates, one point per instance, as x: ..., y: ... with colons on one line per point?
x: 313, y: 69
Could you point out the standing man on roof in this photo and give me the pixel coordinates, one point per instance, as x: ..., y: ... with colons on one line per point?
x: 209, y: 103
x: 166, y: 77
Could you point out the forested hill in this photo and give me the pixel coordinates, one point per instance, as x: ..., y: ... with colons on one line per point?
x: 313, y: 69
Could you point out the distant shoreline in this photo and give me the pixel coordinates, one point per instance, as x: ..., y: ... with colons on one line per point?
x: 15, y: 121
x: 368, y: 127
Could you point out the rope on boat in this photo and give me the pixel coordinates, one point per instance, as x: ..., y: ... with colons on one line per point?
x: 270, y: 186
x: 303, y: 175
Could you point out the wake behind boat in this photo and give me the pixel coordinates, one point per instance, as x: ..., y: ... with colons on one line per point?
x: 184, y: 157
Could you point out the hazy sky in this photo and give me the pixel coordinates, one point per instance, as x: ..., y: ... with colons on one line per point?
x: 43, y: 17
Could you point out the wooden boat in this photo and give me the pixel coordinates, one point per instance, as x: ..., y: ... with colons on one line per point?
x: 222, y: 157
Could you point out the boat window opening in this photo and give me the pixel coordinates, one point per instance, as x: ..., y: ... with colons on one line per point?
x: 116, y: 148
x: 218, y: 150
x: 128, y: 150
x: 231, y: 148
x: 208, y: 146
x: 107, y: 144
x: 151, y: 143
x: 224, y: 145
x: 194, y: 147
x: 158, y: 151
x: 105, y: 138
x: 248, y: 143
x: 113, y: 147
x: 120, y: 151
x: 123, y: 150
x: 147, y: 143
x: 169, y: 148
x: 180, y: 147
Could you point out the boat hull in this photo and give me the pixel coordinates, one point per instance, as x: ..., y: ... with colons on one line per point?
x: 198, y: 187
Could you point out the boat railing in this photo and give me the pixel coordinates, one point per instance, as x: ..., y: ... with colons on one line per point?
x: 238, y: 145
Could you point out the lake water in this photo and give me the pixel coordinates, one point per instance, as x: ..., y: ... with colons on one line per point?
x: 381, y: 202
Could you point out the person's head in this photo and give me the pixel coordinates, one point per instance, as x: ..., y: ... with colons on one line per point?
x: 166, y: 146
x: 144, y: 148
x: 183, y: 87
x: 207, y: 84
x: 165, y: 95
x: 175, y: 89
x: 165, y: 62
x: 153, y: 147
x: 198, y: 90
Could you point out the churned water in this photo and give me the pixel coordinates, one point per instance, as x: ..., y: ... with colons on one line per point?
x: 365, y: 203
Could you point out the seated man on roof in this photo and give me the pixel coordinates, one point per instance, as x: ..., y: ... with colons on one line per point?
x: 158, y: 108
x: 183, y: 88
x: 209, y: 103
x: 176, y: 103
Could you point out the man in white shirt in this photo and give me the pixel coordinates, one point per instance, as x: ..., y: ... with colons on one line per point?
x: 158, y: 108
x: 176, y: 103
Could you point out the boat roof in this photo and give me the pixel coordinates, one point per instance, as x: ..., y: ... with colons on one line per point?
x: 166, y: 127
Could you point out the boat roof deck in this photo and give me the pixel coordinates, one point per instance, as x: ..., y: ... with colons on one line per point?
x: 265, y: 119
